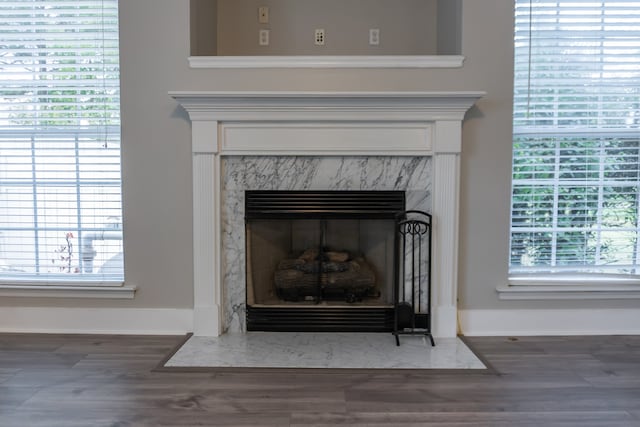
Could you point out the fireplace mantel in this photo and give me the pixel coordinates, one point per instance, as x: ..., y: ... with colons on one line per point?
x: 324, y: 124
x: 316, y: 106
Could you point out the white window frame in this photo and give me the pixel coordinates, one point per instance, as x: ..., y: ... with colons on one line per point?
x: 62, y: 285
x: 570, y: 285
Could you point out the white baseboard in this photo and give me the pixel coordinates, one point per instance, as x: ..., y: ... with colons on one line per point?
x: 550, y: 322
x: 164, y: 321
x: 128, y: 321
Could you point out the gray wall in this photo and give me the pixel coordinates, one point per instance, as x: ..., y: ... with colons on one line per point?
x: 203, y: 26
x: 449, y: 27
x: 157, y: 157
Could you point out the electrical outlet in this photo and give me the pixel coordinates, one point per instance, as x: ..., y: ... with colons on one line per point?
x: 263, y: 15
x: 263, y: 38
x: 319, y: 37
x: 374, y: 36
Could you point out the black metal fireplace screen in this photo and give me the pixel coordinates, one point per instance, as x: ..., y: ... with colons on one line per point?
x: 321, y: 260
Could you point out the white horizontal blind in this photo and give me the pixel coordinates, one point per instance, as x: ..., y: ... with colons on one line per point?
x: 576, y: 158
x: 60, y: 203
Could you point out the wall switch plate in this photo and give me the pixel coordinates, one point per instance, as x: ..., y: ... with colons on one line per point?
x: 374, y: 36
x: 319, y: 37
x: 263, y: 14
x: 263, y: 38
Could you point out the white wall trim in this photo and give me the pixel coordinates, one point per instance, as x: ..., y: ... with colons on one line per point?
x: 574, y: 279
x: 532, y: 322
x: 129, y: 321
x: 328, y: 61
x: 551, y: 292
x: 322, y: 139
x: 70, y: 291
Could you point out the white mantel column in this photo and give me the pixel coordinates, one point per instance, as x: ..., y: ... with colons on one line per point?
x: 206, y: 229
x: 446, y: 192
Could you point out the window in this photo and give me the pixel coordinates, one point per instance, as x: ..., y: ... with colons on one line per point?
x: 576, y: 156
x: 60, y: 203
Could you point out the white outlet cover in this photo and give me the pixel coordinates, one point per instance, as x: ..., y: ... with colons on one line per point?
x: 263, y: 37
x: 374, y: 36
x: 319, y: 37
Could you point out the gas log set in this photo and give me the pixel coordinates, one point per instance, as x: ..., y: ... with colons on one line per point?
x: 317, y: 275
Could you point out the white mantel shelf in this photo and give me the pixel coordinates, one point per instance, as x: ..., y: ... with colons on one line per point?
x: 315, y: 106
x: 324, y: 124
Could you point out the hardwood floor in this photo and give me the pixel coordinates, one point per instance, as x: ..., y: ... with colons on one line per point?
x: 70, y: 380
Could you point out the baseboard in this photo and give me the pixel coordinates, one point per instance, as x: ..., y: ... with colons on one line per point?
x: 164, y: 321
x: 550, y: 322
x: 127, y: 321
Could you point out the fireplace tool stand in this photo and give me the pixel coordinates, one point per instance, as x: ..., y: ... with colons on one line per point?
x: 412, y: 288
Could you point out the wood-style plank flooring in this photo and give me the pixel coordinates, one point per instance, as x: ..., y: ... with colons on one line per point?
x: 70, y: 380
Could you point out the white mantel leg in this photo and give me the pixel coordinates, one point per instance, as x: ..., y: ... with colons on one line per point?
x: 446, y: 193
x: 206, y: 229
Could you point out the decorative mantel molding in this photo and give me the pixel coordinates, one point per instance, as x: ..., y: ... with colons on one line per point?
x: 317, y: 106
x: 347, y: 123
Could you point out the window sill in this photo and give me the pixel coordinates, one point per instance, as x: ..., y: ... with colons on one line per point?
x: 68, y: 291
x: 565, y: 287
x: 328, y: 61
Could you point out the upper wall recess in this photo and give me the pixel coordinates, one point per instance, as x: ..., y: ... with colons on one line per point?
x: 351, y: 28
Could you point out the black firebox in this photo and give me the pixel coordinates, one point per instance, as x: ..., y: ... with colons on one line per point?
x: 321, y: 260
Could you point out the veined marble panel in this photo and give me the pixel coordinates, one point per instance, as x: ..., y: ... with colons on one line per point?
x: 241, y: 173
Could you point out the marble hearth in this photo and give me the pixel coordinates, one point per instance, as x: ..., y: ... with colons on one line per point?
x: 322, y: 141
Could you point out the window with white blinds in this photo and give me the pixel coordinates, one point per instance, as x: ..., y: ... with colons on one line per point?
x: 60, y: 203
x: 576, y: 156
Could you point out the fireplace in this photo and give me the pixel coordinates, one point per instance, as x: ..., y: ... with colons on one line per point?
x: 234, y: 134
x: 320, y: 260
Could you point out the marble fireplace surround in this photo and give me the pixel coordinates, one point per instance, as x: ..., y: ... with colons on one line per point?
x: 318, y: 124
